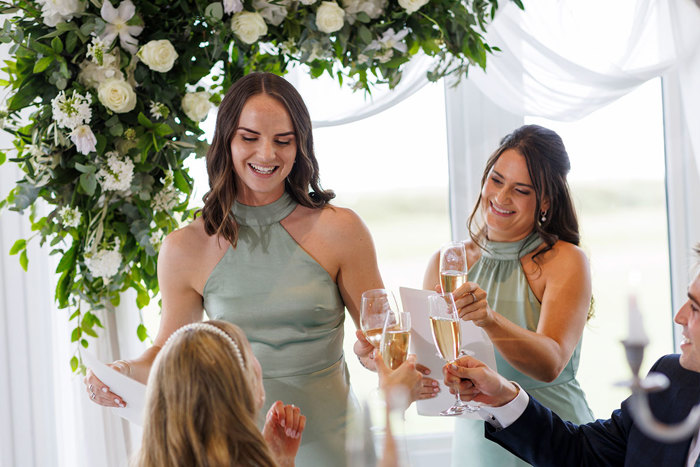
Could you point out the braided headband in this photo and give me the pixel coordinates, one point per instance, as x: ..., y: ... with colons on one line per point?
x: 212, y: 329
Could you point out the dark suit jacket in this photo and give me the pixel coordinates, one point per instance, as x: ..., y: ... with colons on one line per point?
x: 541, y: 438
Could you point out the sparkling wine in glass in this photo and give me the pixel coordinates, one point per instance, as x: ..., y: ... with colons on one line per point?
x: 453, y: 266
x: 395, y: 339
x: 444, y: 324
x: 377, y: 304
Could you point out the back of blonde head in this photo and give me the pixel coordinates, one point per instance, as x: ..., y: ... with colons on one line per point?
x: 200, y: 404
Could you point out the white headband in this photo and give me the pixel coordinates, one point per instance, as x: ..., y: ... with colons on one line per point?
x: 209, y: 328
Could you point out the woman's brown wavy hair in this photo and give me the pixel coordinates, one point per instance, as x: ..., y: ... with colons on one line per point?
x: 201, y: 405
x: 302, y: 183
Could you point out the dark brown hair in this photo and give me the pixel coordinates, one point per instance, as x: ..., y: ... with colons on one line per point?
x: 548, y: 165
x: 216, y: 213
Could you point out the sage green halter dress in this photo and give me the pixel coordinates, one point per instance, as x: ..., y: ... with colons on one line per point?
x: 500, y: 273
x: 293, y: 315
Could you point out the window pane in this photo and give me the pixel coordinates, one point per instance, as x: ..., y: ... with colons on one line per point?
x: 617, y: 179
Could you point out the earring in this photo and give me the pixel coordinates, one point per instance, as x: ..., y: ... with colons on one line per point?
x: 544, y: 216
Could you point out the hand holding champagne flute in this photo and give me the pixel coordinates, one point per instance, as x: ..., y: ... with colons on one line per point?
x: 444, y: 323
x: 395, y: 338
x: 453, y: 266
x: 376, y: 305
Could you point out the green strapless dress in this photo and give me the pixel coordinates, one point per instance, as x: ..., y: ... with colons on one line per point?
x: 500, y: 273
x: 292, y: 313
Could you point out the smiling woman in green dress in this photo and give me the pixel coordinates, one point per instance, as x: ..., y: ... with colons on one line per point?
x: 270, y: 254
x: 529, y: 283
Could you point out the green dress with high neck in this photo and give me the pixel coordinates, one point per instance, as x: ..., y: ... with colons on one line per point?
x: 500, y: 273
x: 292, y: 313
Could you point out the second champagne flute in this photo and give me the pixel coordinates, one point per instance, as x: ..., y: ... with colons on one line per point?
x: 396, y: 336
x: 453, y: 266
x: 376, y: 305
x: 444, y: 323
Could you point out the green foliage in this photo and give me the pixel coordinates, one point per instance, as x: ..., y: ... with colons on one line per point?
x: 107, y: 237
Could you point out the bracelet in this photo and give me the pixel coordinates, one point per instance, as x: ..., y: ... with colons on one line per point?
x: 124, y: 363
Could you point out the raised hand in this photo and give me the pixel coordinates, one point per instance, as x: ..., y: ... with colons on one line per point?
x: 284, y: 425
x: 99, y: 393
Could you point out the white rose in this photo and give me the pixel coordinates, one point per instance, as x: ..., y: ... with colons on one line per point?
x: 196, y: 105
x: 91, y: 74
x: 373, y: 8
x: 329, y: 17
x: 158, y: 55
x: 273, y: 12
x: 60, y: 11
x: 412, y: 5
x: 117, y: 95
x: 232, y: 6
x: 248, y: 26
x: 308, y: 2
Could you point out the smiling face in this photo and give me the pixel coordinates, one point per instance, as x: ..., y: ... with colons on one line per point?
x: 263, y: 149
x: 508, y: 199
x: 689, y: 317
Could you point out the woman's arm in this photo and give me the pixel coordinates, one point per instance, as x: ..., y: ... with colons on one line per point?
x: 566, y: 295
x: 181, y: 304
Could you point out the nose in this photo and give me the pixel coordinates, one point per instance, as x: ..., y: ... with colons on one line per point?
x: 682, y: 315
x: 267, y: 151
x: 502, y: 196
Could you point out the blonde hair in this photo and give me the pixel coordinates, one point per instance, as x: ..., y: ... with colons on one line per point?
x: 201, y: 404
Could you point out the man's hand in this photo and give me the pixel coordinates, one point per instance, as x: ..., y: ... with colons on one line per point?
x: 477, y: 382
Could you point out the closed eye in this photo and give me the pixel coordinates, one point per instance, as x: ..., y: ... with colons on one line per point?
x: 248, y: 138
x: 283, y: 143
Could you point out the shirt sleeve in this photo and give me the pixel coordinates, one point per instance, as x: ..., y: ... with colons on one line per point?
x: 503, y: 416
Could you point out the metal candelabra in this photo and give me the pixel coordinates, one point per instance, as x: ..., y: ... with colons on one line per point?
x: 639, y: 402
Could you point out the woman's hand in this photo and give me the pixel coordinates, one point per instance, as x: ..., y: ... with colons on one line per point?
x: 429, y: 387
x: 99, y: 393
x: 405, y: 376
x: 364, y: 351
x: 284, y: 425
x: 472, y: 305
x: 477, y: 382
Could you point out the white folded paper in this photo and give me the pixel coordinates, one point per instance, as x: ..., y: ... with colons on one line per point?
x: 475, y: 342
x: 131, y: 391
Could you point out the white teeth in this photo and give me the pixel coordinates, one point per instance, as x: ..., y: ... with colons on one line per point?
x: 263, y: 170
x: 501, y: 211
x: 685, y: 341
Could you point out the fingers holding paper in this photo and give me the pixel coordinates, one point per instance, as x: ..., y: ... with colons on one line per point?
x: 99, y: 393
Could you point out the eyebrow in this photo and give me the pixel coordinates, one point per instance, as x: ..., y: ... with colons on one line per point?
x: 519, y: 184
x: 288, y: 133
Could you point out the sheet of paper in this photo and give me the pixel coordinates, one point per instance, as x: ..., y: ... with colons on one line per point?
x: 130, y: 390
x: 475, y: 342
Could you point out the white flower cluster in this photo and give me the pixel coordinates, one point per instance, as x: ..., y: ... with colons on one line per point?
x: 104, y: 263
x: 156, y: 239
x: 386, y: 45
x: 70, y: 217
x: 70, y: 112
x: 60, y: 11
x: 168, y: 197
x: 96, y: 51
x: 159, y: 110
x: 117, y: 174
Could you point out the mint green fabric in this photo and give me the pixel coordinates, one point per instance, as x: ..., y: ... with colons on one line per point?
x: 499, y: 272
x: 293, y: 315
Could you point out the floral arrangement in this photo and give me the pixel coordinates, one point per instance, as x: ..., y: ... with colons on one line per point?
x: 104, y: 101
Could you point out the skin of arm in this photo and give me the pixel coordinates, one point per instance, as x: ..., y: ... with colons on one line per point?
x: 562, y: 282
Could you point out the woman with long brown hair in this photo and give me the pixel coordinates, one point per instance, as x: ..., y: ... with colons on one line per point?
x: 269, y: 253
x: 204, y: 392
x: 529, y: 283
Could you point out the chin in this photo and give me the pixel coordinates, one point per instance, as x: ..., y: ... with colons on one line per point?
x: 690, y: 363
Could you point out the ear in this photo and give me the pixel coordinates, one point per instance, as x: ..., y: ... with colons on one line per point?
x: 544, y: 204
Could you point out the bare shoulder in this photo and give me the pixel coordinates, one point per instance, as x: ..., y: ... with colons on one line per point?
x: 562, y: 256
x: 331, y: 221
x: 187, y: 245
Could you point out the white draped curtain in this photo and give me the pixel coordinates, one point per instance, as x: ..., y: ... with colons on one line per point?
x: 560, y: 59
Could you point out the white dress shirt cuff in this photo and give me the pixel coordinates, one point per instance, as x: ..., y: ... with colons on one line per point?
x: 503, y: 416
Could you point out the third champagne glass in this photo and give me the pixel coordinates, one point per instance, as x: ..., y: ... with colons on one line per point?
x: 376, y: 305
x: 453, y: 266
x: 444, y: 323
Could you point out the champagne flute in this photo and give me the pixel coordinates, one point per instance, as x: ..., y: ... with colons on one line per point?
x: 395, y: 338
x: 444, y: 324
x: 377, y: 304
x: 453, y: 266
